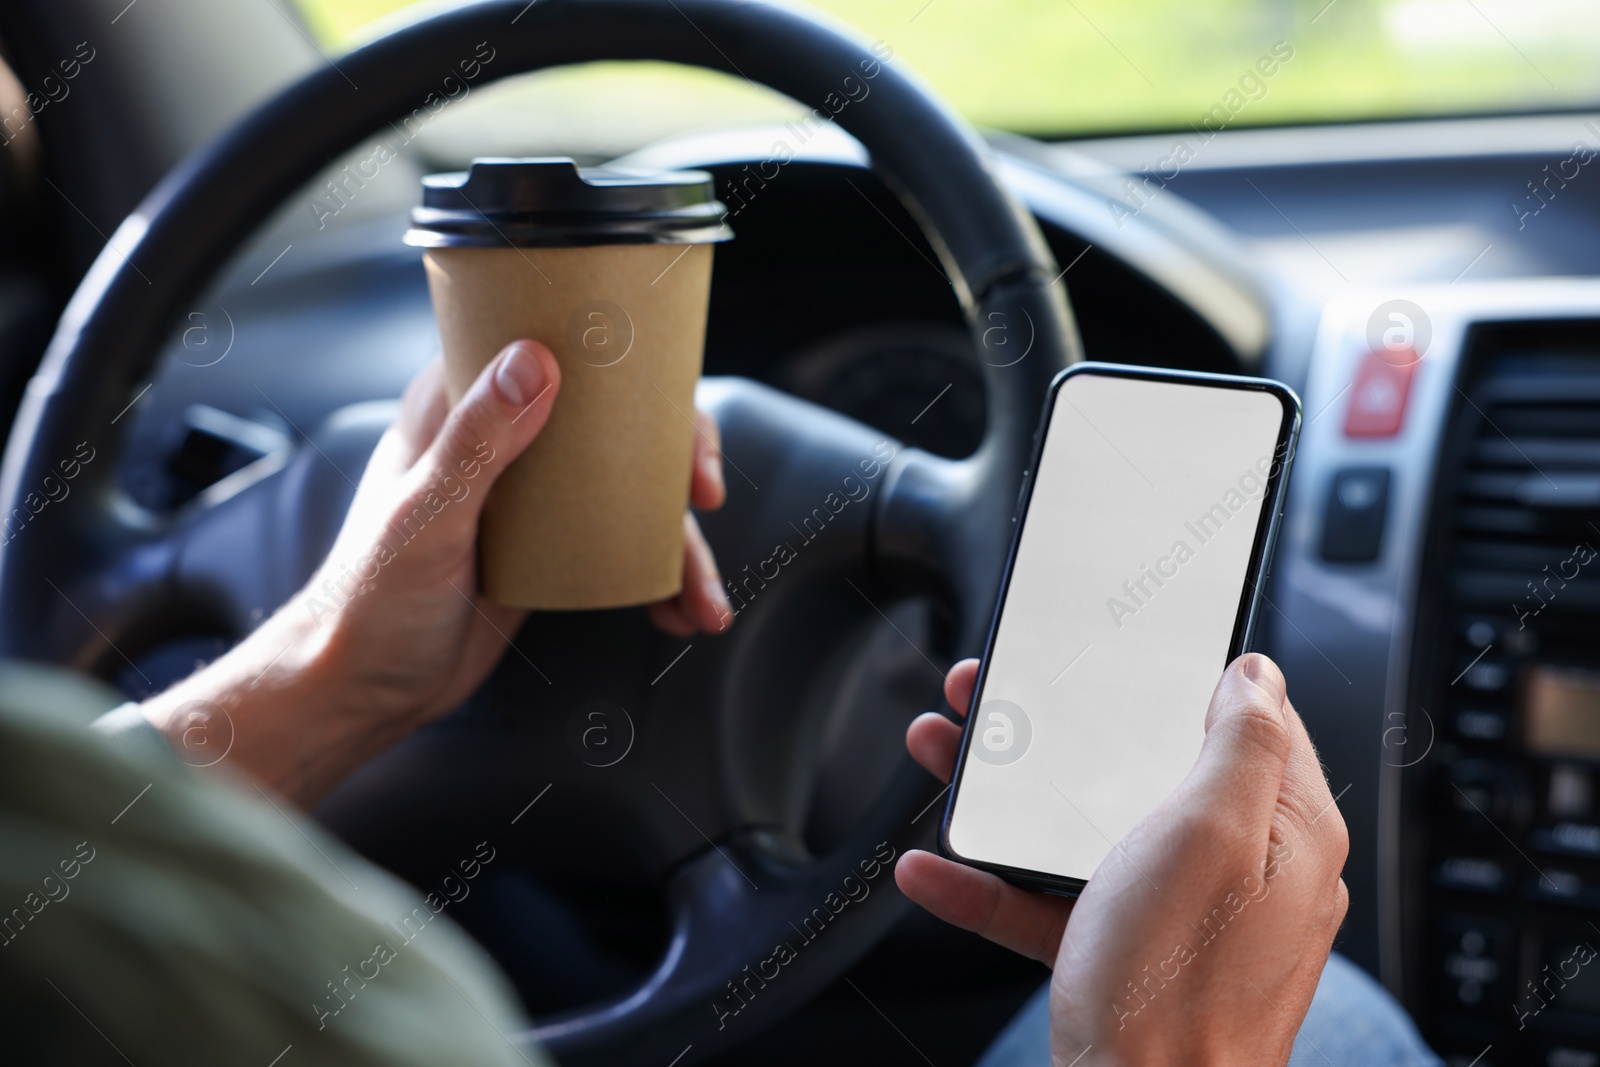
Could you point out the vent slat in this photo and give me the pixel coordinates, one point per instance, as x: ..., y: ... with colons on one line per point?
x: 1511, y: 594
x: 1526, y: 452
x: 1527, y: 558
x: 1528, y: 500
x: 1496, y: 520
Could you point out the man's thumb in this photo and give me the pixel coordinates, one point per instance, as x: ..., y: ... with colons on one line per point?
x: 1248, y: 740
x: 496, y: 419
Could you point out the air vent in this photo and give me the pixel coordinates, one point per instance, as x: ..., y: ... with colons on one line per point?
x: 1525, y: 515
x: 1498, y: 816
x: 202, y: 448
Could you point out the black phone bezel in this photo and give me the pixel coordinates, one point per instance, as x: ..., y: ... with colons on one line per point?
x: 1268, y: 527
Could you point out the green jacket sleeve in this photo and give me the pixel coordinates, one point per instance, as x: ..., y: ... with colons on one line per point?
x: 152, y: 914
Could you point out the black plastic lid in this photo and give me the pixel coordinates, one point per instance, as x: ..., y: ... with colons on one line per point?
x: 544, y: 203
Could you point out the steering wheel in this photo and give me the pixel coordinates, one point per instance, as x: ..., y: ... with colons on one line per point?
x: 721, y: 745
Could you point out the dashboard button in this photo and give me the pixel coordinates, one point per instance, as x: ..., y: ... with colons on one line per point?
x: 1476, y: 874
x: 1379, y: 393
x: 1486, y: 797
x: 1353, y: 518
x: 1557, y: 885
x: 1571, y: 792
x: 1480, y: 724
x: 1474, y: 963
x: 1569, y: 838
x: 1568, y: 1053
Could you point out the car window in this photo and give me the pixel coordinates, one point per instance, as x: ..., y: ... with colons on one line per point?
x: 1058, y: 68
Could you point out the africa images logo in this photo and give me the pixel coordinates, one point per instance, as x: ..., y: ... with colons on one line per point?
x: 1004, y: 733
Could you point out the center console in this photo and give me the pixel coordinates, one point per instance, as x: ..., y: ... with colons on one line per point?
x: 1438, y: 596
x: 1499, y: 835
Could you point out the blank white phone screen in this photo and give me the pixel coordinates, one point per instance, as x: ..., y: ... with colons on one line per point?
x: 1117, y: 619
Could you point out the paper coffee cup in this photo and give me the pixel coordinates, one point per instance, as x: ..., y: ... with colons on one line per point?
x: 612, y: 270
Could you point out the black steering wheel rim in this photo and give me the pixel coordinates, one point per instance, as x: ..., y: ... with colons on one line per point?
x: 933, y: 521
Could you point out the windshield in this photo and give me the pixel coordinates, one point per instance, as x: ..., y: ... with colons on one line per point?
x: 1065, y: 68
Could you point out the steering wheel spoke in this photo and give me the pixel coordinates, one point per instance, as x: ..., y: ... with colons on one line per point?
x: 283, y: 519
x: 744, y: 912
x: 99, y: 571
x: 118, y: 581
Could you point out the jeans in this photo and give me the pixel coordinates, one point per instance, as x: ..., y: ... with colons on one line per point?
x: 1352, y: 1022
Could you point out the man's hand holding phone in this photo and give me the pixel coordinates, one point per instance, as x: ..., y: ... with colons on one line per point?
x: 1201, y: 937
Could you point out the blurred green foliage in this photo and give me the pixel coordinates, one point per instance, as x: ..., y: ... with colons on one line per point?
x: 1066, y: 67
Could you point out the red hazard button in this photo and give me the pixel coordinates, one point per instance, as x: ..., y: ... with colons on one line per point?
x: 1378, y: 395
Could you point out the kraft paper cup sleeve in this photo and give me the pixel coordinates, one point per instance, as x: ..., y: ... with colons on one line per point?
x: 592, y: 515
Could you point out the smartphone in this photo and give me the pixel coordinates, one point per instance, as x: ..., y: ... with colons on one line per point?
x: 1144, y: 534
